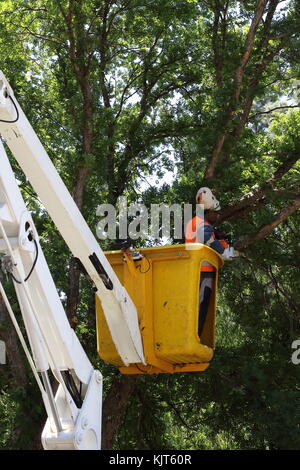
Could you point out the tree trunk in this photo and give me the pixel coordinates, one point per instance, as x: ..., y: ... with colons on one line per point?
x: 15, y: 359
x: 114, y: 407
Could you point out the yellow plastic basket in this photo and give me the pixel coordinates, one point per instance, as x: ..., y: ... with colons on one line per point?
x: 164, y: 286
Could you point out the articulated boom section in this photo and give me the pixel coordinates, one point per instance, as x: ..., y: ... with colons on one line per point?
x: 53, y: 342
x: 75, y: 412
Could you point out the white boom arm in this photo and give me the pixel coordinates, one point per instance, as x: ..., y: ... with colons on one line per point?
x: 75, y: 413
x: 53, y: 342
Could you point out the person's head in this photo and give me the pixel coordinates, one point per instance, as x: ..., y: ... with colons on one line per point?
x: 211, y: 216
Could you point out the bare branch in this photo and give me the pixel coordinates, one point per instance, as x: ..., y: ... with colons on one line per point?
x: 273, y: 109
x: 281, y: 79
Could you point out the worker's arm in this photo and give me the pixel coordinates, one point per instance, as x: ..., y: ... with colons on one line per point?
x: 206, y: 232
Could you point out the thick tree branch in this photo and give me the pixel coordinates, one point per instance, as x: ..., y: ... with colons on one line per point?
x: 251, y: 198
x: 238, y: 122
x: 215, y: 45
x: 268, y: 228
x: 238, y: 80
x: 239, y: 73
x: 79, y: 59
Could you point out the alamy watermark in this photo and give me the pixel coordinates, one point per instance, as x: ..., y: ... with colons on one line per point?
x: 136, y: 221
x: 296, y: 353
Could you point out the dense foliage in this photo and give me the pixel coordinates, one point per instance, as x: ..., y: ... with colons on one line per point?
x: 152, y: 100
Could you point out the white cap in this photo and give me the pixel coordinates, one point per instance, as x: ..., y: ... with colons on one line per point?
x: 208, y: 199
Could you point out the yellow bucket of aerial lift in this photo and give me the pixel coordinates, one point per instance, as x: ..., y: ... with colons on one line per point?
x: 163, y: 283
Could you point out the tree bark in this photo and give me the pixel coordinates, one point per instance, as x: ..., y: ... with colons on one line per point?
x: 252, y: 198
x: 74, y: 272
x: 268, y: 228
x: 15, y: 358
x: 238, y: 78
x: 80, y: 61
x: 114, y: 407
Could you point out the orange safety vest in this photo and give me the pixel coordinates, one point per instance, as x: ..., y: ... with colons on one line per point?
x: 192, y: 237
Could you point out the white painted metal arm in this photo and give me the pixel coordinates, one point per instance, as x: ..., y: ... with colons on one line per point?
x: 120, y: 312
x: 74, y: 415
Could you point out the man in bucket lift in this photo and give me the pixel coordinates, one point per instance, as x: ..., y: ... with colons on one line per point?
x: 200, y: 230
